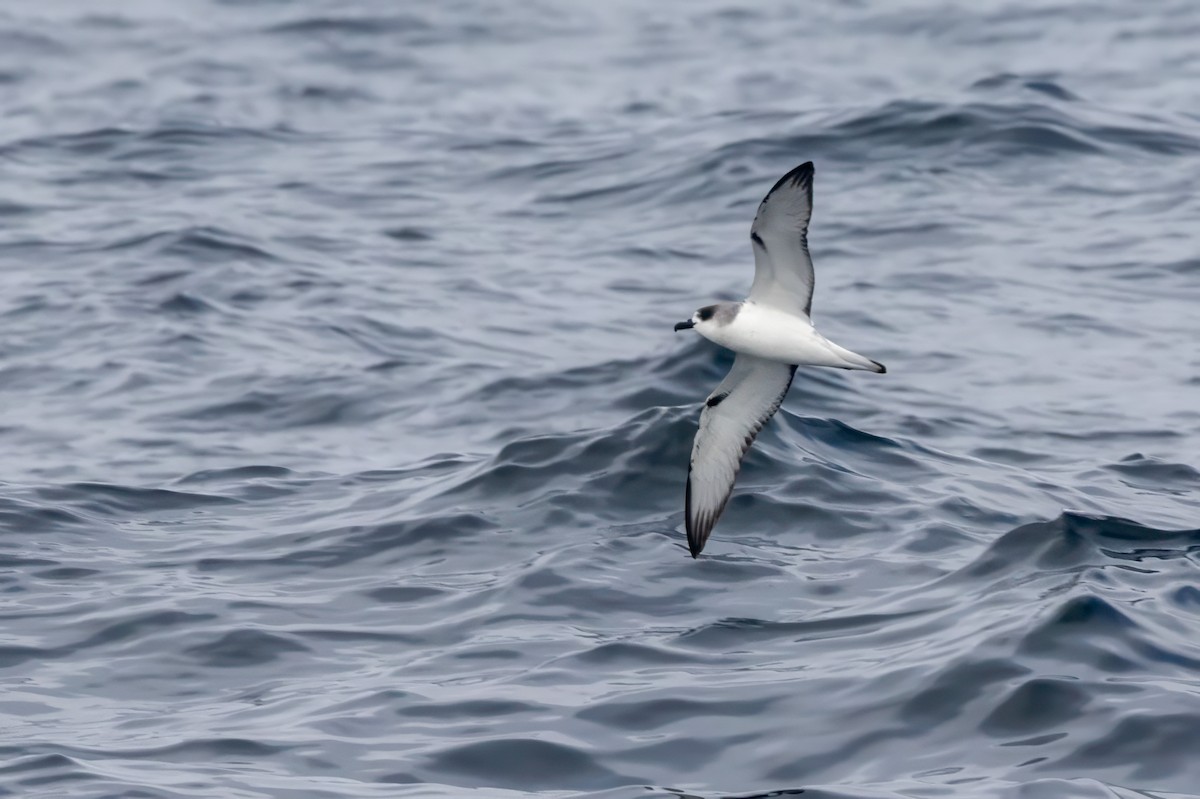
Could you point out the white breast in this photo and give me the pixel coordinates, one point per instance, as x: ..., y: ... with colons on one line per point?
x: 774, y: 335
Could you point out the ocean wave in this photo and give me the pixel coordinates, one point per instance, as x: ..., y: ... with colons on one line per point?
x: 346, y: 435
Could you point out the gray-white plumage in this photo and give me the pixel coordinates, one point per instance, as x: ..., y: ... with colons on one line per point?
x: 733, y: 414
x: 783, y: 270
x: 772, y: 334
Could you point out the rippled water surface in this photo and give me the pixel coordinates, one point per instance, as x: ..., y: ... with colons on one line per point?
x: 345, y: 431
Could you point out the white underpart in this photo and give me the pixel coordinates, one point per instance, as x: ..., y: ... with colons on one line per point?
x: 786, y: 338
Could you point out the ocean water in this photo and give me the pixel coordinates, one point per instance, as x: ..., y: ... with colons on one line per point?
x: 345, y: 432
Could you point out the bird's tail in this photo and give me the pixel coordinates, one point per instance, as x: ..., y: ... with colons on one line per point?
x: 852, y: 360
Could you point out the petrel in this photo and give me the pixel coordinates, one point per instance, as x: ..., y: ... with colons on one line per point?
x: 772, y: 333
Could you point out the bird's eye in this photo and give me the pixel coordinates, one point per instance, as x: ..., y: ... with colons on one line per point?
x: 706, y: 312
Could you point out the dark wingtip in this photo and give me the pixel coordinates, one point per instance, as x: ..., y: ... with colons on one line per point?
x: 880, y: 368
x: 694, y: 537
x: 698, y: 531
x: 800, y: 175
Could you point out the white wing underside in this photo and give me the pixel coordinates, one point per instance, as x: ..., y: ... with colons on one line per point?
x: 733, y: 414
x: 783, y: 270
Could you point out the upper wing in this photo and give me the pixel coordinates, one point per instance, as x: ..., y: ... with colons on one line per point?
x: 783, y: 270
x: 733, y: 414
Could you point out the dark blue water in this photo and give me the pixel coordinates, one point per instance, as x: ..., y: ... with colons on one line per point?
x: 344, y: 430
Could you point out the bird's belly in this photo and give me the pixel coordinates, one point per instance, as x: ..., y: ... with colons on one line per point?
x: 780, y: 348
x: 784, y: 340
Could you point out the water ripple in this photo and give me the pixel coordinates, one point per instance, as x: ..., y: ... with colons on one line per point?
x: 346, y: 430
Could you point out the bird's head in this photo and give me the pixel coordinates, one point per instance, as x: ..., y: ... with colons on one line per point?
x: 710, y: 316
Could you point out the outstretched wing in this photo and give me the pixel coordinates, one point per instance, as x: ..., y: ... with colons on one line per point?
x: 783, y: 270
x: 733, y: 414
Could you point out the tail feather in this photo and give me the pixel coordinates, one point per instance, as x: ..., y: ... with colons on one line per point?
x: 852, y: 360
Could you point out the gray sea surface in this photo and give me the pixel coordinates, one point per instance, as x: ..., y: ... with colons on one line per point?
x: 345, y: 433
